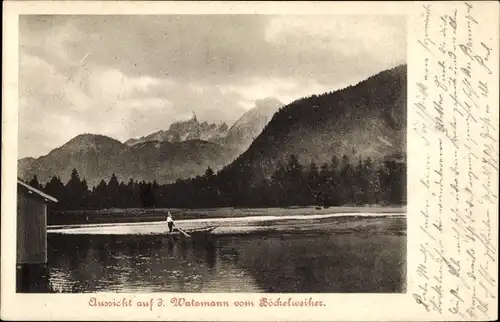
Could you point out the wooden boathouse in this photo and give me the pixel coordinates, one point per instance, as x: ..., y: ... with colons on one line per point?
x: 31, y: 253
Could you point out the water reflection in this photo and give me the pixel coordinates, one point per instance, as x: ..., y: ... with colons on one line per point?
x: 309, y: 262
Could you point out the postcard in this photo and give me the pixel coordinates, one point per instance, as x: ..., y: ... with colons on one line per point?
x: 250, y: 161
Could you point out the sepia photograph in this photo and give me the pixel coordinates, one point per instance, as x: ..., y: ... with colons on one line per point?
x: 250, y: 161
x: 212, y: 153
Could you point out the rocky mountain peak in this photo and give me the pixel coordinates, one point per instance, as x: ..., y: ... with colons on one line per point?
x: 190, y: 129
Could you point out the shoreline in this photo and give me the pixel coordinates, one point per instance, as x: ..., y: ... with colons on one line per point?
x: 143, y: 215
x: 333, y: 222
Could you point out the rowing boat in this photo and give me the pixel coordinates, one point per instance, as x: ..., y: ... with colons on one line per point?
x: 197, y: 233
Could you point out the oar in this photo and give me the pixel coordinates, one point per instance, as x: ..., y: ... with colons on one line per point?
x: 184, y: 233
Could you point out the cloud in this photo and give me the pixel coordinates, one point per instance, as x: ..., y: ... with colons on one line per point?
x: 128, y: 76
x: 286, y: 89
x: 108, y: 102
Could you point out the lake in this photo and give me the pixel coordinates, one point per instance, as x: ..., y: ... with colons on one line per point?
x: 358, y: 254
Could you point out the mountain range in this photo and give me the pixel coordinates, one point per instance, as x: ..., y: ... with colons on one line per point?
x: 250, y: 125
x: 365, y: 120
x: 188, y: 130
x: 97, y: 157
x: 186, y: 149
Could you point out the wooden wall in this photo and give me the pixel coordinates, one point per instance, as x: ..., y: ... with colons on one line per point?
x: 31, y: 229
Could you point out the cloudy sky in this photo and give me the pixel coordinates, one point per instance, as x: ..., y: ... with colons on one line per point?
x: 128, y: 76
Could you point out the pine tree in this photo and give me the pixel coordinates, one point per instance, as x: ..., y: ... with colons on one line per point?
x: 85, y: 194
x: 34, y: 183
x: 209, y: 173
x: 123, y: 200
x: 55, y: 188
x: 360, y: 184
x: 324, y: 186
x: 336, y: 189
x: 147, y: 197
x: 76, y: 191
x: 113, y: 192
x: 278, y: 184
x: 371, y: 181
x: 100, y: 196
x: 133, y: 194
x: 396, y: 180
x: 347, y: 181
x: 208, y: 190
x: 313, y: 182
x: 295, y: 184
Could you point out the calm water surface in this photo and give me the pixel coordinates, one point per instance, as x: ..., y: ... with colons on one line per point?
x: 299, y: 262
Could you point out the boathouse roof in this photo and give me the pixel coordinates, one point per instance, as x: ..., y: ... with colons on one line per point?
x: 35, y: 192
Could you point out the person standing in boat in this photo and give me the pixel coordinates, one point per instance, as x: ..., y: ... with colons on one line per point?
x: 170, y: 222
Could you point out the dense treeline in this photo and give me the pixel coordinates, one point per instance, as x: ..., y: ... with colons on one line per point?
x: 336, y: 183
